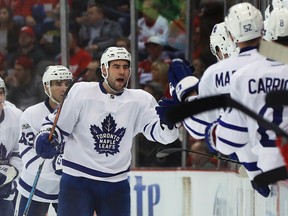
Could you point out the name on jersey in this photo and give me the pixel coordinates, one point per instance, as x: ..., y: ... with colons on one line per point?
x: 222, y: 79
x: 267, y: 84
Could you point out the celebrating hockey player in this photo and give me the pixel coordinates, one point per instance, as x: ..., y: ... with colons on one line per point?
x: 244, y: 23
x: 234, y: 130
x: 221, y: 44
x: 100, y: 121
x: 55, y: 80
x: 10, y: 161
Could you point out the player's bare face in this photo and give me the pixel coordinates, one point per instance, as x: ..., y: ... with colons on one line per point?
x: 58, y: 88
x: 119, y: 73
x: 2, y: 95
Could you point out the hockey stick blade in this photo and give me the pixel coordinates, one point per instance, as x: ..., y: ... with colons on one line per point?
x: 166, y: 152
x: 274, y: 51
x: 277, y: 98
x: 184, y: 110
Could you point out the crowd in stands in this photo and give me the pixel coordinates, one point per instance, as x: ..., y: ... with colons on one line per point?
x: 30, y: 39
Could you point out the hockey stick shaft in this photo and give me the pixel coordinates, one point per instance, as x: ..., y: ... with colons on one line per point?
x: 184, y: 110
x: 61, y: 104
x: 166, y: 152
x: 29, y: 201
x: 32, y: 192
x: 273, y: 50
x: 277, y: 98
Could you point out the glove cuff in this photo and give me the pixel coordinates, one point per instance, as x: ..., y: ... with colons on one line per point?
x: 210, y: 137
x: 185, y: 86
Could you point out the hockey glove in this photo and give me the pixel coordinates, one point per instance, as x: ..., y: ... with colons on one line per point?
x: 8, y: 174
x: 44, y: 147
x: 264, y: 190
x: 210, y: 136
x: 181, y: 80
x: 57, y: 164
x: 164, y: 105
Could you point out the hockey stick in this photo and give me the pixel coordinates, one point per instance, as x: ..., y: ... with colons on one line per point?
x: 184, y: 110
x: 166, y: 152
x: 36, y: 179
x: 274, y: 51
x: 61, y: 104
x: 277, y: 98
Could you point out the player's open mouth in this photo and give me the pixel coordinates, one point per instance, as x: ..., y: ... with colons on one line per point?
x: 120, y: 80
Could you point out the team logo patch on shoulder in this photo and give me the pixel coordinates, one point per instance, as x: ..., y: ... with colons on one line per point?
x: 108, y: 137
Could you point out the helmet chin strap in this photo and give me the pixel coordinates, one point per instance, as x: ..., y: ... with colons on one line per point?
x: 51, y: 96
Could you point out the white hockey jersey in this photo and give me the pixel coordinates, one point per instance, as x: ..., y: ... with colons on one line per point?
x: 216, y: 81
x: 235, y: 131
x: 48, y: 185
x: 9, y: 130
x: 100, y: 128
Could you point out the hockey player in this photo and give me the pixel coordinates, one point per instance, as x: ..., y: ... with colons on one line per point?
x: 55, y: 81
x: 10, y: 161
x: 245, y: 25
x: 269, y: 9
x: 221, y: 44
x: 234, y: 130
x: 100, y: 121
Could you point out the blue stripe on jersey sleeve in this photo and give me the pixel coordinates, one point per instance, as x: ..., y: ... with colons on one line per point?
x: 152, y: 130
x: 199, y: 121
x: 38, y: 193
x: 27, y: 149
x: 252, y: 166
x: 193, y: 131
x: 31, y: 161
x: 91, y: 172
x: 233, y: 127
x: 227, y: 142
x: 145, y: 127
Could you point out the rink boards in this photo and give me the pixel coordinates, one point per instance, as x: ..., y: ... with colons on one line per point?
x: 199, y: 193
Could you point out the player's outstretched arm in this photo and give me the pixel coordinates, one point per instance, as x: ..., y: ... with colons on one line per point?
x: 182, y: 83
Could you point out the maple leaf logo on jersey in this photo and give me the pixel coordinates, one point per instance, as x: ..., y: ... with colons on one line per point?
x: 107, y: 138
